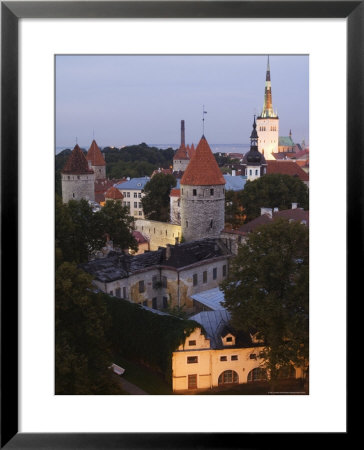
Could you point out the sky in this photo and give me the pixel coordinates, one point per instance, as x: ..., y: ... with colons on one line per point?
x: 128, y: 99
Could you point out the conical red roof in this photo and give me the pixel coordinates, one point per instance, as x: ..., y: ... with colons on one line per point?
x: 113, y: 194
x: 77, y: 163
x: 95, y: 156
x: 181, y: 153
x: 202, y: 169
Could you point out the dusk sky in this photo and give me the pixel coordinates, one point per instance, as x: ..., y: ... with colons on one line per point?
x: 127, y: 100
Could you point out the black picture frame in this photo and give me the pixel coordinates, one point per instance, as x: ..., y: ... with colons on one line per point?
x: 11, y: 12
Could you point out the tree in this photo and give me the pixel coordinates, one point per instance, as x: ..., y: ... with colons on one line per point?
x: 273, y: 190
x: 80, y: 232
x: 113, y: 219
x: 83, y: 352
x: 234, y: 215
x: 156, y: 200
x: 267, y: 291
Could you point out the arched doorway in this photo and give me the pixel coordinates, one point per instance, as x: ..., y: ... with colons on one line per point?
x: 228, y: 377
x: 257, y: 374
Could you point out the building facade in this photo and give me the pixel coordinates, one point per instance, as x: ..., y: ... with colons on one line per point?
x: 132, y: 191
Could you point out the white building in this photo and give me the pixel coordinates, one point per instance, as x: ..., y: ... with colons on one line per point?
x: 132, y: 191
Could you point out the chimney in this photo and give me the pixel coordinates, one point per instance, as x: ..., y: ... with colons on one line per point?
x: 182, y: 133
x: 267, y: 211
x: 294, y: 205
x: 168, y: 252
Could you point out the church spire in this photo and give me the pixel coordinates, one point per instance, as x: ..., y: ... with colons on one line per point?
x: 268, y: 106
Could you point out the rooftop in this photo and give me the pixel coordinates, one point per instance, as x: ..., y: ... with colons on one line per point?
x: 285, y: 141
x: 203, y: 170
x: 212, y: 298
x: 94, y: 155
x: 134, y: 184
x: 286, y: 168
x: 118, y: 265
x: 113, y: 194
x: 77, y: 163
x: 181, y: 153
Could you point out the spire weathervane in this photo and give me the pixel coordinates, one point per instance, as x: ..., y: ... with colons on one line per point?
x: 203, y: 119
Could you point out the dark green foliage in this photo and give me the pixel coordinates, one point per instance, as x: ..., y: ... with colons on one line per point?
x: 135, y: 160
x: 267, y: 290
x: 156, y: 203
x: 82, y: 353
x: 114, y: 220
x: 80, y: 231
x: 234, y: 215
x: 274, y: 190
x: 145, y: 336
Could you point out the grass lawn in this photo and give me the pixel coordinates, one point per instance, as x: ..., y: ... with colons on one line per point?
x: 146, y: 379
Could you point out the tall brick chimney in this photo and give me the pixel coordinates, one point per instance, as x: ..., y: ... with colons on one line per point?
x: 182, y: 133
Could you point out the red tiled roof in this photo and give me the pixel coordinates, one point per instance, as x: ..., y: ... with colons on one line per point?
x: 95, y: 156
x: 113, y: 194
x: 175, y: 193
x: 286, y: 168
x: 165, y: 171
x: 203, y: 169
x: 181, y: 153
x: 191, y: 151
x: 139, y: 237
x: 297, y: 214
x: 77, y: 163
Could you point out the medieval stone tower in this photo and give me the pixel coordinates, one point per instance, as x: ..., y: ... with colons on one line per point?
x: 202, y: 196
x: 78, y: 179
x: 268, y: 123
x: 96, y: 161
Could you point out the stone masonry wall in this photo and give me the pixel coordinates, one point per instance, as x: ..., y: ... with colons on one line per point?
x: 159, y: 233
x: 203, y: 214
x: 76, y: 187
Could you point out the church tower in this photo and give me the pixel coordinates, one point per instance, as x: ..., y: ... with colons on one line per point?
x: 268, y: 123
x: 254, y: 161
x: 78, y: 179
x: 96, y: 161
x: 202, y: 196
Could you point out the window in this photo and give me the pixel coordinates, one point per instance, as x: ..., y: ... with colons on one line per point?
x: 223, y: 358
x: 194, y: 192
x: 204, y: 277
x: 186, y: 223
x: 78, y: 177
x: 229, y: 339
x: 253, y: 356
x: 228, y: 377
x: 118, y: 292
x: 135, y: 195
x: 124, y: 293
x: 141, y: 286
x: 234, y: 357
x: 140, y: 205
x: 211, y: 223
x: 164, y: 282
x: 73, y: 195
x: 135, y: 204
x: 140, y: 213
x: 257, y: 375
x: 154, y: 303
x: 195, y: 280
x: 214, y: 273
x: 165, y: 302
x: 139, y: 195
x: 192, y: 359
x: 256, y: 171
x: 155, y: 282
x: 250, y: 172
x: 224, y: 270
x: 192, y: 381
x: 128, y: 194
x: 211, y: 192
x: 145, y: 303
x: 124, y: 194
x: 191, y: 342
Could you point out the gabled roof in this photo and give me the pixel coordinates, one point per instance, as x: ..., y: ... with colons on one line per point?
x: 113, y: 193
x: 94, y: 155
x: 77, y: 163
x: 203, y: 169
x: 181, y: 153
x: 286, y: 168
x: 175, y: 193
